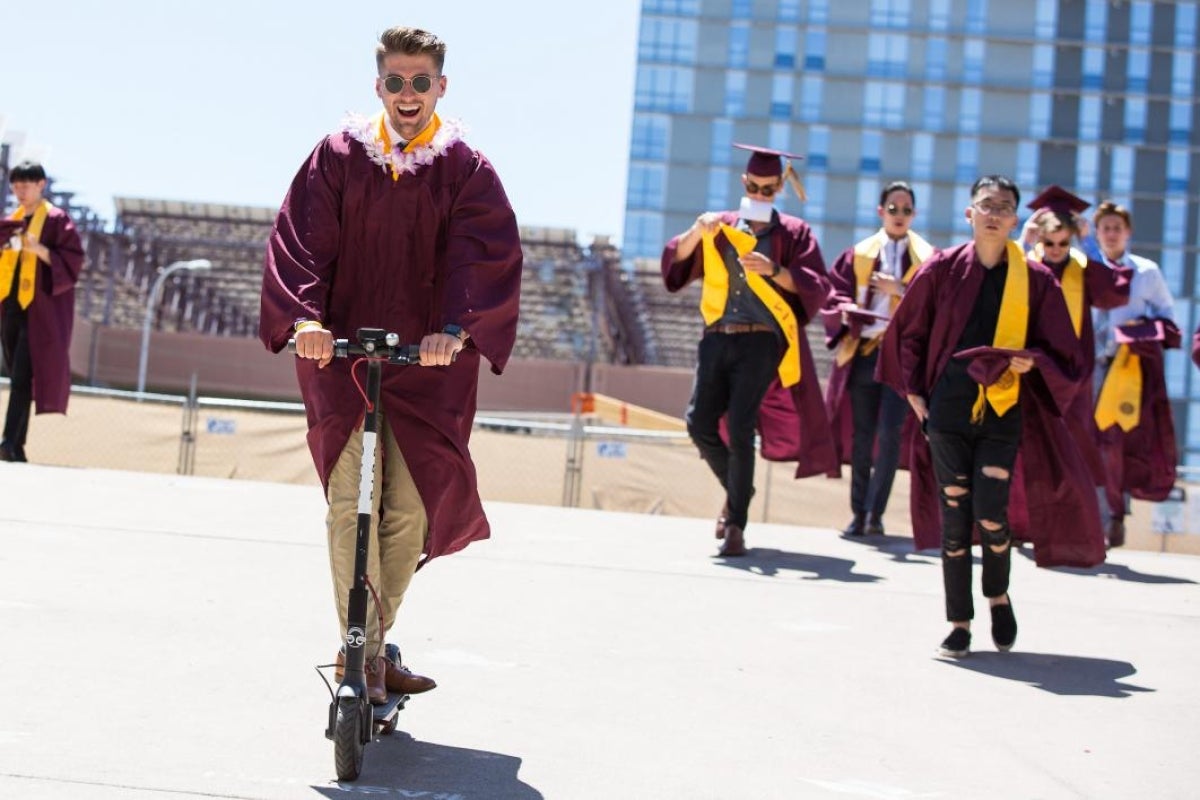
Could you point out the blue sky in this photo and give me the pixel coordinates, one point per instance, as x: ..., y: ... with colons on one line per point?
x: 222, y: 101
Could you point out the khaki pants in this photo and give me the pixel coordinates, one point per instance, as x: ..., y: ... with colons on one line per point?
x: 398, y: 529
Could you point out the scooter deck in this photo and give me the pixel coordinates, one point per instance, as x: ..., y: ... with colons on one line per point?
x: 386, y: 712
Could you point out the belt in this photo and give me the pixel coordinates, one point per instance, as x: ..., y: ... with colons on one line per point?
x: 739, y: 327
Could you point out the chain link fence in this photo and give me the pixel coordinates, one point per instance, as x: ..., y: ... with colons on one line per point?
x: 563, y: 459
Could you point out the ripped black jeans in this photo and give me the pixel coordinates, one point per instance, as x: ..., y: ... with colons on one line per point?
x: 979, y: 462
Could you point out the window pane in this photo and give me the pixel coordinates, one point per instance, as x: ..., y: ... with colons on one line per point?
x: 651, y: 133
x: 722, y: 141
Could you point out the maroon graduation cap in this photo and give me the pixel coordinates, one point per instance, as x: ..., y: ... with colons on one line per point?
x: 1060, y: 201
x: 8, y: 227
x: 1150, y: 330
x: 765, y: 161
x: 856, y: 318
x: 989, y: 363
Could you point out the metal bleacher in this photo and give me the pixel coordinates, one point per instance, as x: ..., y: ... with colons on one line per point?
x: 578, y: 303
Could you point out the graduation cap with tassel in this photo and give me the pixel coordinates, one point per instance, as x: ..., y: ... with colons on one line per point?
x: 768, y: 163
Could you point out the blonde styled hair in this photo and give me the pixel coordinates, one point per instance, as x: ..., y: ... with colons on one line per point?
x: 1110, y: 209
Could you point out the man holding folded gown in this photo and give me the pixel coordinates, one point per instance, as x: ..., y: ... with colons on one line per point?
x: 984, y: 294
x: 865, y: 414
x: 1133, y: 413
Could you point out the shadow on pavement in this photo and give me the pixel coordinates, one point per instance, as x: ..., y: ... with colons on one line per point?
x: 769, y: 562
x: 1118, y: 571
x: 1062, y: 675
x: 899, y: 548
x: 399, y: 766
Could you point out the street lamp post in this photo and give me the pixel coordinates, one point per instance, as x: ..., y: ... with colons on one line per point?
x: 194, y: 264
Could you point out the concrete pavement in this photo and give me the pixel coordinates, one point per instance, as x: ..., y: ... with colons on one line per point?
x: 159, y: 634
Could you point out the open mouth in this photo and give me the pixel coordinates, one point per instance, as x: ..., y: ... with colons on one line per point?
x: 409, y: 112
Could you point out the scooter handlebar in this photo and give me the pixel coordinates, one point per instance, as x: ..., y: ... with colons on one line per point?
x: 401, y: 354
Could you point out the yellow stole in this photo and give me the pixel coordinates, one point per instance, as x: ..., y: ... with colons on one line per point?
x: 715, y: 292
x: 8, y: 258
x: 1011, y: 330
x: 1120, y: 401
x: 866, y: 253
x: 1072, y: 285
x: 420, y: 140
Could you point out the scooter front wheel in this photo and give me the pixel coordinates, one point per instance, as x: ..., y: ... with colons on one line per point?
x: 347, y: 738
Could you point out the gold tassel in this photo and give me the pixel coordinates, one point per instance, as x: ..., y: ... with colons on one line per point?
x: 793, y: 179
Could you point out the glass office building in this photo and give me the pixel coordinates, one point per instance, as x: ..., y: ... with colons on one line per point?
x: 1096, y: 95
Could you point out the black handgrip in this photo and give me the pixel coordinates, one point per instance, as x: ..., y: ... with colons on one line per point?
x: 400, y: 354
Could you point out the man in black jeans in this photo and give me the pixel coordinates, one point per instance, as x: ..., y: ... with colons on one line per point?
x: 868, y: 281
x: 981, y: 342
x: 763, y: 278
x: 41, y: 256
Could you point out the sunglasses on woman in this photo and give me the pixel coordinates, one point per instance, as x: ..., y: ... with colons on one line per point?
x: 894, y: 209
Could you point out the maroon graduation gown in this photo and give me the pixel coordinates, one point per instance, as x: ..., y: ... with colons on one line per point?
x: 1104, y: 287
x: 1142, y: 461
x: 837, y: 399
x: 1196, y: 347
x: 1053, y: 501
x: 791, y: 421
x: 353, y: 248
x: 51, y: 315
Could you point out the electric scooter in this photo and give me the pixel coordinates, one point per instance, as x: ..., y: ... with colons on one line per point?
x: 352, y: 718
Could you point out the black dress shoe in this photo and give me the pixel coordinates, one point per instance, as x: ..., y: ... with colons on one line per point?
x: 734, y: 544
x: 855, y: 528
x: 873, y: 527
x: 1116, y: 532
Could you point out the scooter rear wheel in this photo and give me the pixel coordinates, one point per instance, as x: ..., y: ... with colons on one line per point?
x: 347, y: 739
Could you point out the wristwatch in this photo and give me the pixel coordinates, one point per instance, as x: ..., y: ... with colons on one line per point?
x: 456, y: 331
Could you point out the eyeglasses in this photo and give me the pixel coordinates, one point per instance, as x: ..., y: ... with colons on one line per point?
x: 994, y: 209
x: 420, y: 83
x: 1049, y: 243
x: 906, y: 211
x: 768, y: 190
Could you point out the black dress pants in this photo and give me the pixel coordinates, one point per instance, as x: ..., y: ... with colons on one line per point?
x: 877, y: 411
x: 14, y: 338
x: 733, y: 373
x: 959, y: 459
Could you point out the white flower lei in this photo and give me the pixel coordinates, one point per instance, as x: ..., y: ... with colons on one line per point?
x: 363, y: 130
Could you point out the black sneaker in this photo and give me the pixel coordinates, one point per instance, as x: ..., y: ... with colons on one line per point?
x: 1004, y: 627
x: 957, y: 644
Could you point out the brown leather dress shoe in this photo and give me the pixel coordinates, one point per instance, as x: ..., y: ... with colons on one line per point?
x: 376, y: 674
x: 402, y: 680
x: 735, y: 543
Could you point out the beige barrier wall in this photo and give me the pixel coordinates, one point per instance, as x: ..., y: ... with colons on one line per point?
x: 662, y: 477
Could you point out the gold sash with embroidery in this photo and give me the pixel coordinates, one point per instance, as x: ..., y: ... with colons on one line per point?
x: 715, y: 291
x: 27, y: 282
x: 1120, y: 401
x: 1011, y: 329
x: 866, y: 253
x: 1072, y: 285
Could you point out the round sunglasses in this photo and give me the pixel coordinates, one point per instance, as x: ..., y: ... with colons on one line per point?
x: 906, y: 211
x: 765, y: 191
x: 420, y: 83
